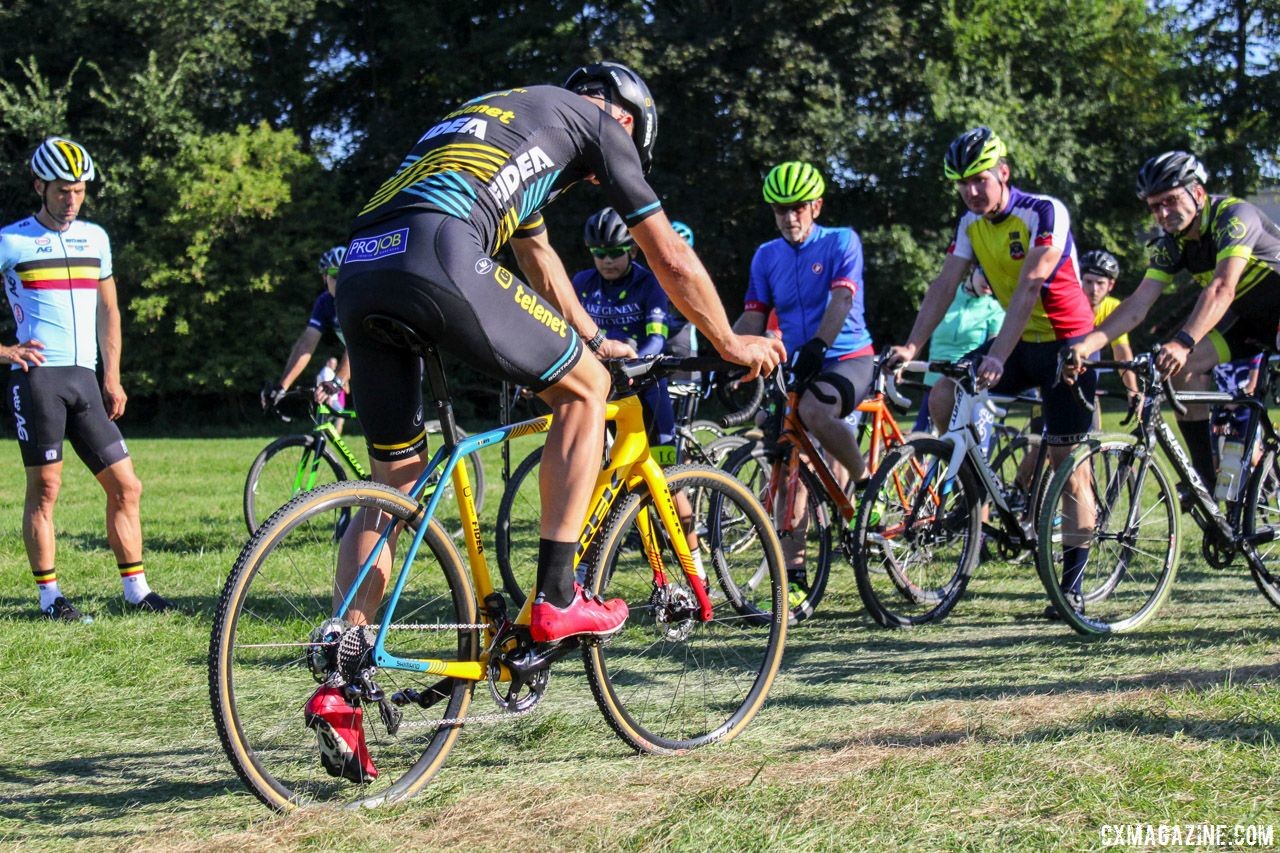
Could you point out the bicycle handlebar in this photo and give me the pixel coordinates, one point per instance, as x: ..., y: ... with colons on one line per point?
x: 1144, y: 367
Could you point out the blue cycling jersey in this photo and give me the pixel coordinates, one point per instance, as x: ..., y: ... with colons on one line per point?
x: 51, y: 280
x: 324, y: 316
x: 634, y: 307
x: 797, y: 282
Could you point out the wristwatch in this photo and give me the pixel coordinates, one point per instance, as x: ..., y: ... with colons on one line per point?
x: 1183, y: 337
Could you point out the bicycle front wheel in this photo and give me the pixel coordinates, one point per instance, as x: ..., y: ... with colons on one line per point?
x: 916, y: 535
x: 1261, y: 515
x: 285, y: 467
x: 274, y: 639
x: 670, y: 682
x: 804, y: 523
x: 1111, y: 497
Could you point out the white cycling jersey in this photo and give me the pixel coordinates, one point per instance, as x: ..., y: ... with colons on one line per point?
x: 51, y: 280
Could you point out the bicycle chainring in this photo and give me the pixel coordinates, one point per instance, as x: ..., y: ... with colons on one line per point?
x: 1217, y: 553
x: 511, y: 693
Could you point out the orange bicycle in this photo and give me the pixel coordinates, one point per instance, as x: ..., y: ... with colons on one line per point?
x: 810, y: 508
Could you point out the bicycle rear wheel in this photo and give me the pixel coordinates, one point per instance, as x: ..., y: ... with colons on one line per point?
x: 670, y: 682
x: 285, y: 467
x: 516, y: 539
x: 808, y: 537
x: 1262, y: 512
x: 268, y: 651
x: 916, y: 535
x: 1132, y: 542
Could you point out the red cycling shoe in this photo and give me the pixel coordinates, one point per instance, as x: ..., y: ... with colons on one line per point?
x: 586, y: 614
x: 339, y: 729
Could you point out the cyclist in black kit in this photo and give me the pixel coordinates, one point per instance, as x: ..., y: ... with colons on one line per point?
x: 422, y: 251
x: 1232, y: 251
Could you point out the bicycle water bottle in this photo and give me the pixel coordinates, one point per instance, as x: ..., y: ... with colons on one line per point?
x: 1232, y: 459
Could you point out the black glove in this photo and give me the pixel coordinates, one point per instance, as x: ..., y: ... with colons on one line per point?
x: 808, y: 361
x: 270, y: 395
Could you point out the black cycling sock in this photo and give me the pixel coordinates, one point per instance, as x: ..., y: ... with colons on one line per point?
x: 1074, y: 559
x: 1199, y: 442
x: 555, y: 571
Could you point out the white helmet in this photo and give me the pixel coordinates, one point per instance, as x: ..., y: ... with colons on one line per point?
x: 57, y: 157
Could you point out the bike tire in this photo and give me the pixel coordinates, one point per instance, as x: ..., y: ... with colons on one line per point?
x: 1261, y: 511
x: 266, y: 489
x: 912, y: 563
x: 757, y: 468
x: 264, y: 643
x: 516, y: 536
x: 669, y: 682
x: 1124, y: 584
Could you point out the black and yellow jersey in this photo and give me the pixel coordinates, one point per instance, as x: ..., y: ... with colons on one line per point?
x: 498, y: 159
x: 1229, y: 227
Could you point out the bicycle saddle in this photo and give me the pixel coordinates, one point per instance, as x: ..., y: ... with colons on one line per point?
x: 396, y: 333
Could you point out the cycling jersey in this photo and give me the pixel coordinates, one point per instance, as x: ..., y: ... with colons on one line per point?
x: 422, y: 249
x: 500, y: 158
x: 51, y: 279
x: 1000, y: 247
x: 797, y: 282
x: 970, y: 321
x: 1230, y: 227
x: 631, y: 308
x: 324, y: 316
x: 1102, y: 312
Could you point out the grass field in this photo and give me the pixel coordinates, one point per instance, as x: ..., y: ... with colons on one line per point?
x: 993, y: 729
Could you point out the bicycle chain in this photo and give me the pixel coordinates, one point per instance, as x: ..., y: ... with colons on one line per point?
x: 477, y: 719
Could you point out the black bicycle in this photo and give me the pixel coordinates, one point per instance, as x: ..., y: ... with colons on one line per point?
x: 1134, y: 540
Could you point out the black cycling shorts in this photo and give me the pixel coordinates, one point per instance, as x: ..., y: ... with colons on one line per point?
x: 1248, y: 327
x: 432, y: 272
x: 52, y: 403
x: 850, y: 378
x: 1035, y: 365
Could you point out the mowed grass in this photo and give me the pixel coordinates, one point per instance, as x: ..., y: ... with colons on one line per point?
x: 993, y: 729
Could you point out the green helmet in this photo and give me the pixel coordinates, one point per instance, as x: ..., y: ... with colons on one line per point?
x: 793, y: 181
x: 972, y: 152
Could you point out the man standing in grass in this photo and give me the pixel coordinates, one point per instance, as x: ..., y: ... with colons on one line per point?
x: 58, y: 280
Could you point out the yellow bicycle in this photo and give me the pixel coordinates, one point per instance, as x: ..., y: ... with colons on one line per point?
x: 691, y: 667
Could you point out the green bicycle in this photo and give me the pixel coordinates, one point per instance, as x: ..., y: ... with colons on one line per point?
x: 302, y: 461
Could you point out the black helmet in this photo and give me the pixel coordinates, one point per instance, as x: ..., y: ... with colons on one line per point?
x: 972, y: 152
x: 605, y: 228
x: 618, y: 84
x: 1100, y: 262
x: 1168, y: 170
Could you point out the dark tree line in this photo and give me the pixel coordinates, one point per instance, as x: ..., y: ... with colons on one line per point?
x: 236, y: 138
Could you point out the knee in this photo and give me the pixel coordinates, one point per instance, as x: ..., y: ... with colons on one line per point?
x: 42, y: 494
x: 587, y: 383
x: 125, y: 492
x: 816, y: 414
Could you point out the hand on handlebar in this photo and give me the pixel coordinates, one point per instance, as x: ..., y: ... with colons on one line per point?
x: 270, y: 395
x: 326, y: 391
x: 615, y: 349
x: 990, y: 369
x: 1071, y: 363
x: 1172, y: 358
x: 897, y: 356
x: 761, y: 356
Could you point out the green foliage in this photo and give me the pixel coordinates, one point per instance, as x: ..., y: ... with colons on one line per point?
x: 237, y: 206
x: 311, y: 103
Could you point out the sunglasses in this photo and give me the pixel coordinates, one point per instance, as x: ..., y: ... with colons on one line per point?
x: 608, y: 251
x: 784, y: 209
x: 331, y: 272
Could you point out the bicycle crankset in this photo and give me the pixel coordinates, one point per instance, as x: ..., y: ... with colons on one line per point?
x: 1218, y: 551
x: 519, y: 669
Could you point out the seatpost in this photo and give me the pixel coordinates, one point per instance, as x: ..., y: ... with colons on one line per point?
x: 440, y: 394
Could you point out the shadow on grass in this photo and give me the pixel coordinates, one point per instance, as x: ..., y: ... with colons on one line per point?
x: 69, y: 795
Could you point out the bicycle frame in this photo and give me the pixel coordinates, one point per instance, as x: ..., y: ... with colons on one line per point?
x: 629, y: 466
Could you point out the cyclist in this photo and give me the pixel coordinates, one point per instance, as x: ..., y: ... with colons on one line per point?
x: 1023, y: 243
x: 626, y: 302
x: 973, y: 319
x: 422, y: 251
x: 812, y: 277
x: 1099, y: 270
x: 1232, y: 250
x: 58, y: 279
x: 324, y: 317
